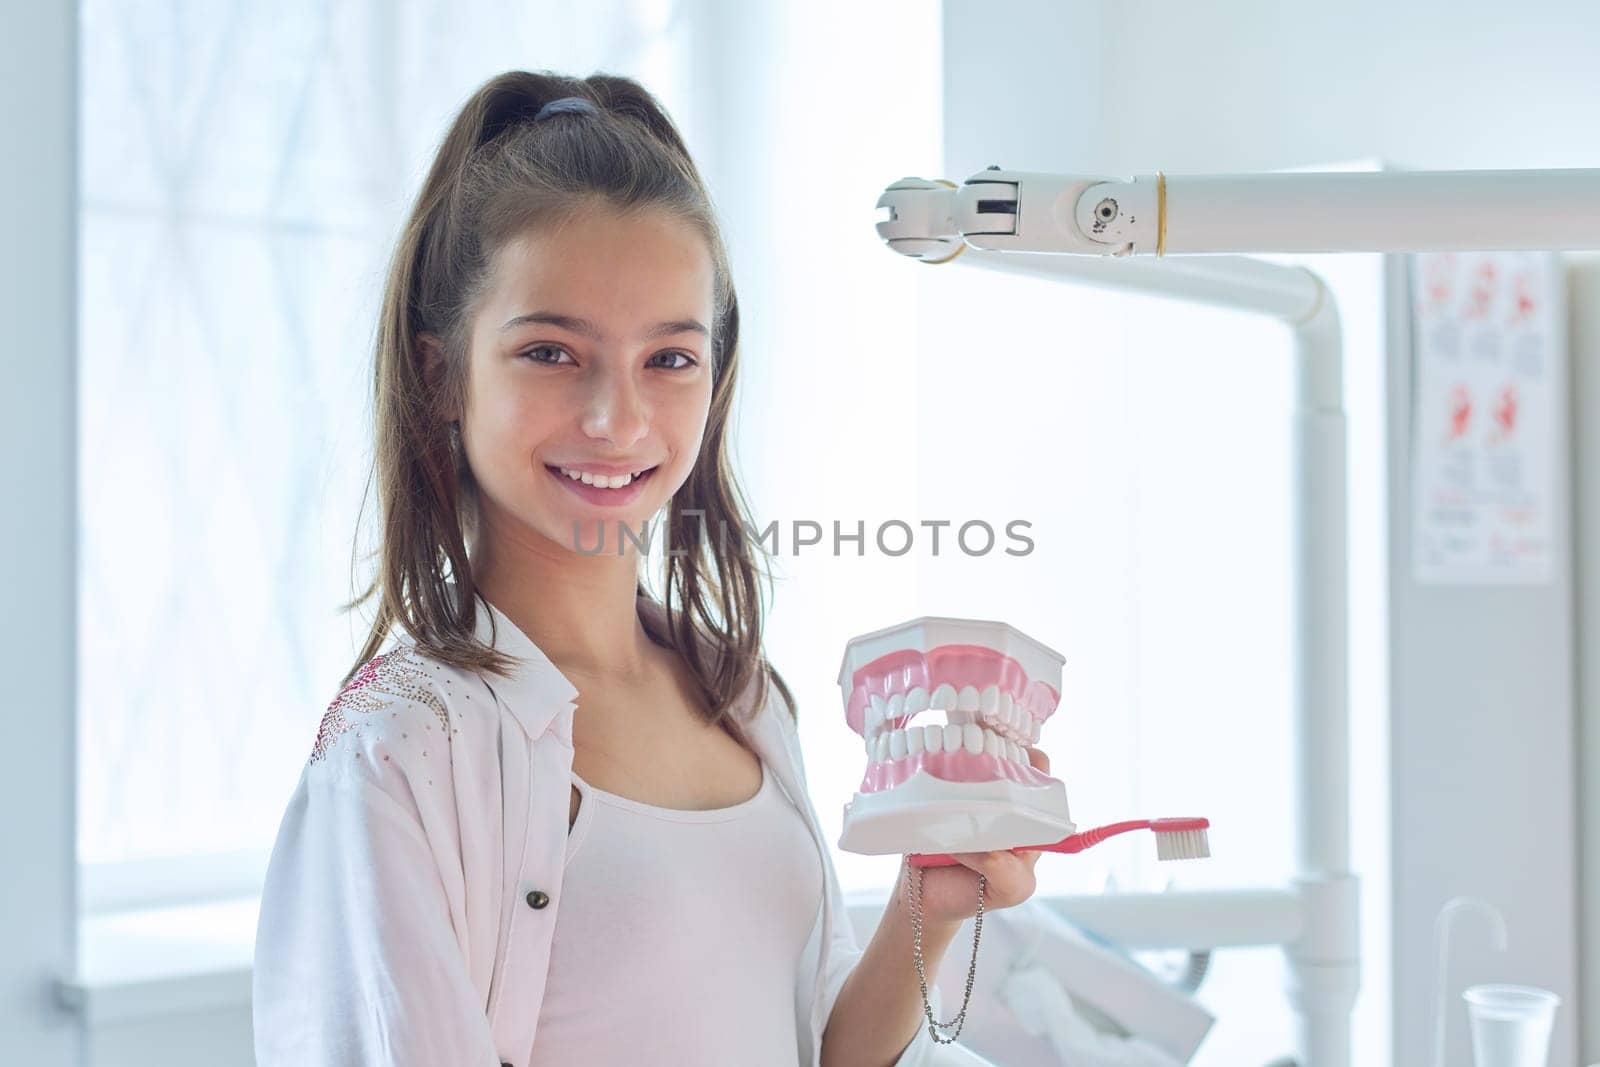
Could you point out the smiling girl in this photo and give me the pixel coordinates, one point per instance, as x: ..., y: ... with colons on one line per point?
x: 549, y: 819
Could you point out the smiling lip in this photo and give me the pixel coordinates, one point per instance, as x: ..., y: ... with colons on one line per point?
x: 607, y: 469
x: 603, y: 497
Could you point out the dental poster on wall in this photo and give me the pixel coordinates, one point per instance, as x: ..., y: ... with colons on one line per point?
x: 1489, y: 344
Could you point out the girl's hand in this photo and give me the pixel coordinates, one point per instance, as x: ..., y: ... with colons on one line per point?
x: 950, y: 894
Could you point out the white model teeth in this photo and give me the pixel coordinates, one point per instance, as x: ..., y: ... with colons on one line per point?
x: 600, y: 481
x: 875, y: 713
x: 988, y: 709
x: 948, y: 737
x: 965, y: 709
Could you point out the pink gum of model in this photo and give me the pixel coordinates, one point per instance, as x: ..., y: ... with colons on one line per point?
x: 958, y: 665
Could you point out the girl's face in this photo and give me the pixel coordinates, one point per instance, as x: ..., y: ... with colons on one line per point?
x: 590, y: 355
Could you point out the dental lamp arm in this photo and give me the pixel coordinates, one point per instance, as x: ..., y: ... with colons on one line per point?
x: 1153, y: 214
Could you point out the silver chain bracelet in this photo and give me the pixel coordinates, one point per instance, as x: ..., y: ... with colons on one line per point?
x: 915, y: 909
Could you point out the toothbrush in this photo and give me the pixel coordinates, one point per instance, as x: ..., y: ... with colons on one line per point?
x: 1176, y: 839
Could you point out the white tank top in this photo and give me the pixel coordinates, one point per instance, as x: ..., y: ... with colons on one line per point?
x: 679, y: 933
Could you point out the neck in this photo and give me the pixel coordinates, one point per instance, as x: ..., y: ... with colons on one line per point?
x: 580, y: 610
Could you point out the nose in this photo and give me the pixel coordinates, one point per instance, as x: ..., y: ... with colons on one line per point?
x: 614, y: 410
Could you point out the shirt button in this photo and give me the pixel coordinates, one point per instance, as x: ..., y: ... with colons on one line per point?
x: 538, y: 898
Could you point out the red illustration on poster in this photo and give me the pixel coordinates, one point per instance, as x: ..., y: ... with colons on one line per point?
x: 1460, y: 412
x: 1488, y: 352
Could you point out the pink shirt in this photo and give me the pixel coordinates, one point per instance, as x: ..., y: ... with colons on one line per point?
x: 692, y: 922
x: 411, y: 902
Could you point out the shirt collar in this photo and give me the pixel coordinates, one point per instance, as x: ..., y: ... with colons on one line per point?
x: 536, y: 691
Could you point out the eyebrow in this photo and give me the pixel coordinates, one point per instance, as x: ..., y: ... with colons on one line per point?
x: 590, y: 330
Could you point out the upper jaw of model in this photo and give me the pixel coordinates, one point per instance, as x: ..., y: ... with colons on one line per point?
x: 980, y: 703
x: 946, y: 708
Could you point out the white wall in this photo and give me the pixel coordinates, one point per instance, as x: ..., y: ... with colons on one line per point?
x: 38, y: 532
x: 1583, y: 295
x: 1481, y: 736
x: 1135, y: 86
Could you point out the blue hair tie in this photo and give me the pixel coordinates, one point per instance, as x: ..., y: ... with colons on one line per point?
x: 564, y: 104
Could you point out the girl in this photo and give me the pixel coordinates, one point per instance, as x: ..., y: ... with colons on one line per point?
x: 542, y: 739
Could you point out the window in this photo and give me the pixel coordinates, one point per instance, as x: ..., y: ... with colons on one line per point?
x: 244, y: 171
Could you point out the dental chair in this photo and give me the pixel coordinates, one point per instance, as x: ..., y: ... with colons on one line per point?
x: 1053, y: 996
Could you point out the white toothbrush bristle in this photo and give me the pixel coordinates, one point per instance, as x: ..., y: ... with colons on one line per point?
x: 1182, y: 845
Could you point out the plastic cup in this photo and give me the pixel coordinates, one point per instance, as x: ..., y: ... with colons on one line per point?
x: 1511, y: 1024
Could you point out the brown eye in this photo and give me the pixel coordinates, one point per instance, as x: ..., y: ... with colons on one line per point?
x: 533, y: 353
x: 684, y: 366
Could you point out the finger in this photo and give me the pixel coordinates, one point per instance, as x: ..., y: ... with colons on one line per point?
x: 1039, y: 760
x: 1028, y: 857
x: 992, y: 865
x: 981, y: 862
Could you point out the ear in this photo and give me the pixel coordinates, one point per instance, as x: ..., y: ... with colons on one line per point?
x: 431, y: 351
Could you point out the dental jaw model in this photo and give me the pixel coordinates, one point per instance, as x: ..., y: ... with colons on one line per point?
x: 947, y: 708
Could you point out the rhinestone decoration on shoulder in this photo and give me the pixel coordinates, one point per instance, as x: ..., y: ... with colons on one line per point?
x: 399, y: 674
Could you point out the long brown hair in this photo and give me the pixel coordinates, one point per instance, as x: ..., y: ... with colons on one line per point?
x: 497, y: 174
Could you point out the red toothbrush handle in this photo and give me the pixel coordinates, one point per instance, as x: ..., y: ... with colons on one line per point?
x: 944, y: 859
x: 1075, y: 842
x: 931, y: 859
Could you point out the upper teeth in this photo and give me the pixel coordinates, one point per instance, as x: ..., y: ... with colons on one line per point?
x: 945, y: 737
x: 602, y: 481
x: 991, y: 708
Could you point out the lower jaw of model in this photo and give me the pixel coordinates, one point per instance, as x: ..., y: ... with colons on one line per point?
x: 947, y: 708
